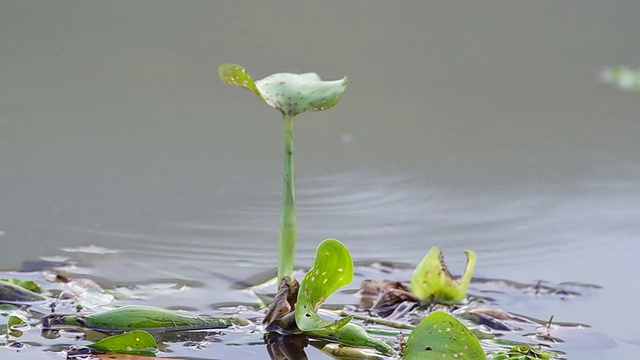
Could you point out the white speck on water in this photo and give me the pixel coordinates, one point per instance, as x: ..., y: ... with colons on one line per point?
x: 91, y: 249
x: 346, y: 138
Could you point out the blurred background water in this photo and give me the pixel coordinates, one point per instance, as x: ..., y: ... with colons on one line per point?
x: 466, y: 125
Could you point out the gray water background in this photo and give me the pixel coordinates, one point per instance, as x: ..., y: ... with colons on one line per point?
x: 468, y: 125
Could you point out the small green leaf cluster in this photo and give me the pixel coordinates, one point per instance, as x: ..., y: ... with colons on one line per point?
x: 525, y: 352
x: 624, y: 77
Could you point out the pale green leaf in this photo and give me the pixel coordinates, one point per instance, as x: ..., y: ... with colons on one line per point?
x: 291, y: 94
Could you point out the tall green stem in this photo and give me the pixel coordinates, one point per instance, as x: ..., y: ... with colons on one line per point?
x: 288, y: 222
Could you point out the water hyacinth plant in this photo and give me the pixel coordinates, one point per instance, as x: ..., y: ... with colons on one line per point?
x: 295, y: 307
x: 291, y: 95
x: 294, y: 319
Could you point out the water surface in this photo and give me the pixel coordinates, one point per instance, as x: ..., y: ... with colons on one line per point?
x: 466, y: 126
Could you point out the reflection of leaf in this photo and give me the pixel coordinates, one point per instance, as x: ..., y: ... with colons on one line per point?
x: 441, y: 336
x: 135, y: 342
x: 137, y: 317
x: 286, y: 348
x: 291, y: 94
x: 432, y: 281
x: 333, y: 268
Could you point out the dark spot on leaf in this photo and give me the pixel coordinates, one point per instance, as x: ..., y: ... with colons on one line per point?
x: 428, y: 348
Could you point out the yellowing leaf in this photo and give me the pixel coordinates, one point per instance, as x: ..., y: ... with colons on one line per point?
x: 432, y: 281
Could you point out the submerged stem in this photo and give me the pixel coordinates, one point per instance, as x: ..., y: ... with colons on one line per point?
x: 288, y: 222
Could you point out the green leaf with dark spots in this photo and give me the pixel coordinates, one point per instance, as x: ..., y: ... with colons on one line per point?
x: 291, y: 94
x: 441, y: 336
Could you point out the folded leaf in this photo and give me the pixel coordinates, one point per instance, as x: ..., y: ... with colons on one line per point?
x: 333, y: 268
x: 432, y: 281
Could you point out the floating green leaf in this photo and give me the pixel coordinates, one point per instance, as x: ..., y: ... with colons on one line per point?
x: 432, y: 281
x: 333, y: 269
x: 354, y: 335
x: 26, y: 284
x: 135, y: 342
x: 291, y: 94
x: 139, y: 318
x: 525, y: 352
x: 624, y: 77
x: 10, y: 292
x: 440, y: 336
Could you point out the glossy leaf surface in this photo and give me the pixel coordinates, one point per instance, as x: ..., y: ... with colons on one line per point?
x: 333, y: 269
x: 441, y: 336
x: 135, y: 342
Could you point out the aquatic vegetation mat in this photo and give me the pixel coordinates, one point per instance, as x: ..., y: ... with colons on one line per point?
x: 116, y: 329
